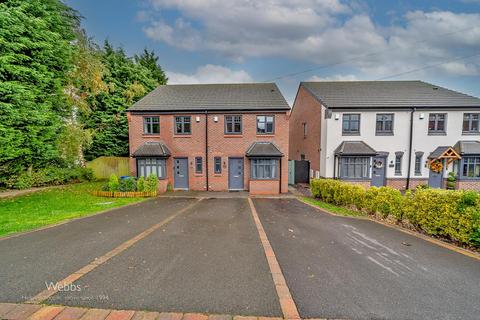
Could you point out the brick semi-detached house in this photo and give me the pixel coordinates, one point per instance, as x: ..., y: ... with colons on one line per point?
x: 214, y: 137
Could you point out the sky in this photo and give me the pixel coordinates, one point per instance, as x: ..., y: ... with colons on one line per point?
x: 289, y: 41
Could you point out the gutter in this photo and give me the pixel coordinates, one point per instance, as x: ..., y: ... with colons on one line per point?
x: 413, y: 109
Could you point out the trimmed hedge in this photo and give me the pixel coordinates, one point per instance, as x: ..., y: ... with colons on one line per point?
x: 50, y: 176
x: 450, y: 214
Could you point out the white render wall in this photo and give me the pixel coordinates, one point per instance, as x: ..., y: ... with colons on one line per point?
x: 391, y: 144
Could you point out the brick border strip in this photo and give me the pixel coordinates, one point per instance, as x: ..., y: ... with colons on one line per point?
x: 289, y: 308
x: 44, y: 312
x: 45, y: 294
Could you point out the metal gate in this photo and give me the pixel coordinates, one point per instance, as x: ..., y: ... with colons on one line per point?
x: 298, y: 171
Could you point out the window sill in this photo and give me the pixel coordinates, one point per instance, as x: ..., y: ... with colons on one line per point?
x: 472, y: 133
x: 252, y: 179
x: 182, y: 135
x: 233, y: 135
x: 198, y: 174
x: 384, y: 133
x: 151, y: 135
x: 266, y: 134
x: 350, y: 133
x: 437, y: 133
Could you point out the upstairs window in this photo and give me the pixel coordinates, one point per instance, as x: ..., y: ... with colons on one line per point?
x: 351, y: 124
x: 384, y: 123
x: 265, y: 124
x: 471, y: 123
x: 183, y: 125
x: 437, y: 123
x: 198, y: 165
x: 151, y: 125
x: 233, y: 124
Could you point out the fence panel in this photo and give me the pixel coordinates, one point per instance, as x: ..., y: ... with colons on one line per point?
x: 103, y: 167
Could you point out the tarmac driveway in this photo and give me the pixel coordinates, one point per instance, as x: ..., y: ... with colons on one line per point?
x: 339, y: 267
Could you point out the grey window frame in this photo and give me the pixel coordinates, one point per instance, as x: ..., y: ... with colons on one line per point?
x: 418, y: 163
x: 398, y: 163
x: 470, y: 163
x: 148, y: 125
x: 182, y: 123
x: 217, y: 167
x: 233, y: 121
x: 353, y: 162
x: 159, y: 163
x: 470, y: 122
x: 436, y: 121
x: 383, y: 131
x: 260, y: 165
x: 266, y: 116
x: 350, y: 132
x: 198, y: 165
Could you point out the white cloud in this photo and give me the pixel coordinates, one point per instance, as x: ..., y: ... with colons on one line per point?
x: 209, y: 74
x: 319, y: 31
x: 337, y: 77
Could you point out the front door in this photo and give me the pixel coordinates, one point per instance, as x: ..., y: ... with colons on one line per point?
x: 235, y: 173
x: 180, y: 173
x: 378, y: 171
x: 435, y: 178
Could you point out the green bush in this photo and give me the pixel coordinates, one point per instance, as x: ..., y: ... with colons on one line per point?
x: 451, y: 214
x: 113, y: 183
x: 127, y: 184
x: 151, y: 184
x: 50, y: 176
x: 141, y: 184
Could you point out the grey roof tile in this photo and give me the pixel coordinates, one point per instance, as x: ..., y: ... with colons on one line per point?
x: 263, y: 149
x: 200, y: 97
x: 152, y: 149
x: 387, y: 94
x: 352, y: 148
x: 438, y: 152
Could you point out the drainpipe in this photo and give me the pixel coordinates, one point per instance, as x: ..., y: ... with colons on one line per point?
x: 410, y: 148
x: 334, y: 166
x: 206, y: 147
x: 280, y: 178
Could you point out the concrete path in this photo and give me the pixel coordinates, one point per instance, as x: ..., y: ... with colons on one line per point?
x: 339, y: 267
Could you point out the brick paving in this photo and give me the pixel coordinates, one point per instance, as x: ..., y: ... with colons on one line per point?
x: 10, y: 311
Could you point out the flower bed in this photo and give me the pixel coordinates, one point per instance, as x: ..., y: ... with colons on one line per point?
x: 126, y: 194
x: 129, y: 187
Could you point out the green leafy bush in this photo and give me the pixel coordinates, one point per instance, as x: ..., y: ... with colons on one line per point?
x: 451, y: 214
x: 127, y: 184
x: 151, y: 184
x: 50, y: 176
x: 451, y: 181
x: 141, y: 184
x: 113, y: 183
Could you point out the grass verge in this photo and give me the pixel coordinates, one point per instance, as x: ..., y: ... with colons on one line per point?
x: 333, y: 208
x: 47, y: 207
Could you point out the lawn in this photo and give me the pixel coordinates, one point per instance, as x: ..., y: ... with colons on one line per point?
x: 46, y: 207
x: 332, y: 208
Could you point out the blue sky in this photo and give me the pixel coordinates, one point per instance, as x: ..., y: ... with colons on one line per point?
x: 288, y: 41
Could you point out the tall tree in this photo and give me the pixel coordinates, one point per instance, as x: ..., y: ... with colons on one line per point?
x: 35, y: 56
x: 149, y: 60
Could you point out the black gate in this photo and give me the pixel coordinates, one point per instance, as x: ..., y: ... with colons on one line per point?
x: 302, y: 171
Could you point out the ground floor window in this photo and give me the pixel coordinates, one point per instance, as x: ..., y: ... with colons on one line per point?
x: 354, y: 167
x: 471, y: 167
x: 264, y: 169
x: 147, y: 166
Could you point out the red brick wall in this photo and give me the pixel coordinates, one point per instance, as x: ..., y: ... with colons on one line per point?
x: 468, y: 185
x: 401, y: 183
x: 220, y: 145
x: 264, y: 187
x: 306, y: 109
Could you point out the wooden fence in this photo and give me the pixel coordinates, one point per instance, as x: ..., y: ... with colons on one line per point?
x: 127, y: 194
x: 104, y: 167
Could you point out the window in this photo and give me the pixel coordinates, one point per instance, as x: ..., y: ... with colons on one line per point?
x: 471, y: 167
x: 264, y: 168
x: 384, y: 123
x: 233, y: 124
x: 151, y: 125
x: 198, y: 164
x: 354, y: 167
x: 418, y: 163
x: 183, y: 125
x: 436, y: 122
x: 304, y: 130
x: 471, y: 123
x: 351, y: 124
x: 217, y: 162
x: 147, y: 166
x: 265, y: 124
x: 398, y: 163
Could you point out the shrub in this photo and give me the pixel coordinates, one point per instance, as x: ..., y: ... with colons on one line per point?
x: 127, y: 184
x: 151, y: 184
x: 451, y: 214
x: 113, y: 183
x: 141, y: 184
x: 451, y: 181
x: 50, y: 176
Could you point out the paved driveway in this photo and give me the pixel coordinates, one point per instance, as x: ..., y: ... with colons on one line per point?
x: 339, y: 267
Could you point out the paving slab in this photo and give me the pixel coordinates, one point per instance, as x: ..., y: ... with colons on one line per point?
x: 339, y: 267
x: 31, y: 260
x: 207, y: 260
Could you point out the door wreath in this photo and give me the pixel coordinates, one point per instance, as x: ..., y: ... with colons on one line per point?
x: 436, y: 166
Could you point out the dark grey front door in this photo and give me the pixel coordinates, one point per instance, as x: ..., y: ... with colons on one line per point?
x: 379, y: 165
x: 235, y: 173
x: 435, y: 179
x: 180, y: 173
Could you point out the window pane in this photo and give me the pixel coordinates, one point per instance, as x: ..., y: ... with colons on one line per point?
x: 186, y: 127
